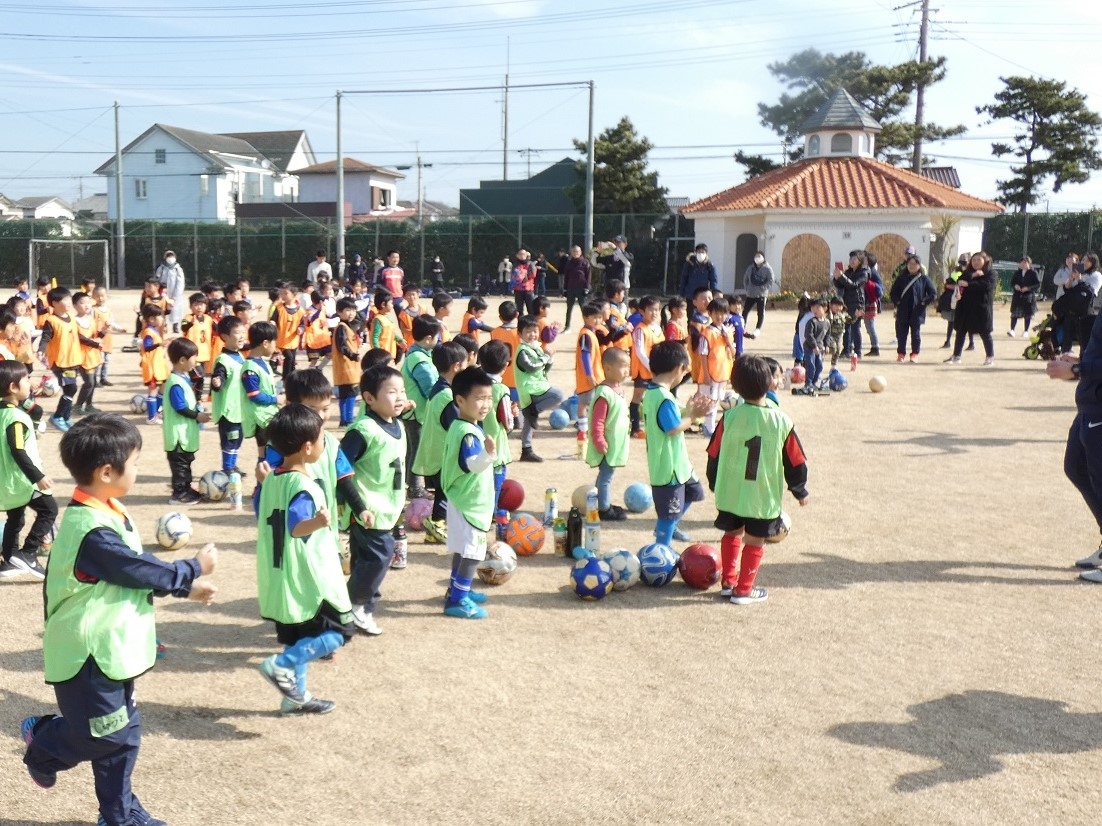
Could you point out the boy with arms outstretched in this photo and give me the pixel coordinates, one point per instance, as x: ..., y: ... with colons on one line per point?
x: 754, y: 453
x: 100, y: 633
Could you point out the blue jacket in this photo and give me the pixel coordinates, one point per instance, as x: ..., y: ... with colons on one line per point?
x: 1089, y: 391
x: 695, y: 275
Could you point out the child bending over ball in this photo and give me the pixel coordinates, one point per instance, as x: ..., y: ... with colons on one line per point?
x: 100, y: 633
x: 754, y: 453
x: 300, y: 584
x: 607, y: 447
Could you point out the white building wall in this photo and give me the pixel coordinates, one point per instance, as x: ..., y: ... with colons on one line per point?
x: 173, y: 189
x: 357, y: 189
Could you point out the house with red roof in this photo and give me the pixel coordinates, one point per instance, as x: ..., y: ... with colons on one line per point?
x: 837, y: 198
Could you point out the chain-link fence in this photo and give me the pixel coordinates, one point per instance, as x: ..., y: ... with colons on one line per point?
x: 269, y: 250
x: 1046, y: 237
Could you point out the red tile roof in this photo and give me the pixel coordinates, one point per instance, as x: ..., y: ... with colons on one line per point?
x: 840, y: 183
x: 350, y: 165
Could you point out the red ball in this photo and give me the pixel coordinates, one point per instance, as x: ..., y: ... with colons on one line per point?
x: 512, y: 495
x: 700, y: 566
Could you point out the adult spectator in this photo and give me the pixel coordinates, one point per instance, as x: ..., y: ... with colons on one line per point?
x: 1083, y: 454
x: 577, y: 279
x: 504, y: 273
x: 319, y: 268
x: 614, y: 258
x: 523, y: 283
x: 698, y: 271
x: 171, y: 276
x: 437, y: 274
x: 342, y: 269
x: 850, y: 284
x: 1023, y: 299
x: 1074, y: 307
x: 561, y: 265
x: 911, y: 294
x: 874, y: 291
x: 391, y: 275
x: 760, y: 282
x: 975, y: 310
x: 1064, y: 273
x: 357, y: 270
x: 541, y: 274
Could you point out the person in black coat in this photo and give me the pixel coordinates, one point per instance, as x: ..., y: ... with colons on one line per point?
x: 975, y: 310
x: 912, y: 293
x: 1023, y: 302
x: 850, y: 284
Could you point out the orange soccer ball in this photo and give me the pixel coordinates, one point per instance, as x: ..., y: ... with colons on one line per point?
x: 525, y: 534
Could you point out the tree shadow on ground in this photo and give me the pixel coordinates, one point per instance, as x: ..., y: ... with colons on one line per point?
x: 967, y: 733
x: 1052, y: 408
x: 832, y: 572
x: 953, y: 443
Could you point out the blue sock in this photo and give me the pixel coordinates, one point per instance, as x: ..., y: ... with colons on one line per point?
x: 461, y: 587
x: 160, y: 402
x: 499, y: 480
x: 150, y: 406
x: 229, y: 460
x: 309, y: 649
x: 347, y: 408
x: 663, y: 531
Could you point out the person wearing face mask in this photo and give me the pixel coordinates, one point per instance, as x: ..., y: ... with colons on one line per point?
x: 698, y: 271
x: 759, y: 282
x: 171, y: 275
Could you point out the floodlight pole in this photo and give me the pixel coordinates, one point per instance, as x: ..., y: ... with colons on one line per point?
x: 340, y: 186
x: 589, y: 164
x: 120, y: 225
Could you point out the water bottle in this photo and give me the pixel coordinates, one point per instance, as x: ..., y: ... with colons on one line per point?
x: 550, y: 506
x: 574, y: 529
x: 581, y: 443
x: 501, y: 520
x: 399, y: 558
x: 235, y: 491
x: 592, y: 523
x: 559, y: 532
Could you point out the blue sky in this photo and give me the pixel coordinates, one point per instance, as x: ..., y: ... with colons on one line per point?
x: 689, y: 73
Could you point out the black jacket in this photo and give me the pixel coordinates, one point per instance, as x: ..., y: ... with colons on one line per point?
x: 911, y: 305
x: 851, y: 286
x: 975, y: 307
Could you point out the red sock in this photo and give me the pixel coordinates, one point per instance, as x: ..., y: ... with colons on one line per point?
x: 729, y: 548
x: 751, y: 559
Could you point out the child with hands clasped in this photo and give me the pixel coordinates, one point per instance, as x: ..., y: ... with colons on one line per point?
x: 752, y: 456
x: 607, y: 447
x: 100, y: 633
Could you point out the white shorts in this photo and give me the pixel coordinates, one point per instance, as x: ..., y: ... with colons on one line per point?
x: 463, y: 537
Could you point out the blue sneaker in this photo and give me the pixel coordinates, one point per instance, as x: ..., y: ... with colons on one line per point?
x: 44, y: 780
x: 465, y: 609
x: 477, y: 597
x: 60, y: 424
x: 680, y: 535
x: 151, y: 822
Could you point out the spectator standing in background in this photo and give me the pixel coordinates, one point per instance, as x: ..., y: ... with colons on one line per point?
x: 874, y: 291
x: 357, y: 270
x: 1023, y: 301
x: 437, y: 274
x: 523, y: 283
x: 391, y: 275
x: 319, y: 268
x: 504, y: 271
x: 760, y: 282
x: 541, y: 274
x: 577, y: 280
x: 698, y: 271
x: 614, y: 258
x: 171, y: 276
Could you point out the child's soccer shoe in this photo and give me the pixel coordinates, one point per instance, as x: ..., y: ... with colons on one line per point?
x: 44, y: 780
x: 436, y: 532
x: 313, y: 705
x: 465, y: 609
x: 284, y: 679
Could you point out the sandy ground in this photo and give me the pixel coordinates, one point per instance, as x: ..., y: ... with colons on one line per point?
x: 924, y: 655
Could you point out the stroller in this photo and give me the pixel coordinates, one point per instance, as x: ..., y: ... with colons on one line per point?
x: 1045, y: 342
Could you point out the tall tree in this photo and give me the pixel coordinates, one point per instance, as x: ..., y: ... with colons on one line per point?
x: 1056, y: 139
x: 621, y: 182
x: 885, y: 91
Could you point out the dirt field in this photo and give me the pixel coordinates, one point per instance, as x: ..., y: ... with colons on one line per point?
x: 925, y: 656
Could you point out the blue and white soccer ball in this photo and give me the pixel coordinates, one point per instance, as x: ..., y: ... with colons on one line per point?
x: 173, y: 531
x: 592, y: 578
x: 558, y: 419
x: 837, y: 381
x: 625, y: 568
x: 657, y: 564
x: 638, y: 498
x: 137, y: 403
x: 48, y: 387
x: 570, y: 405
x: 213, y: 485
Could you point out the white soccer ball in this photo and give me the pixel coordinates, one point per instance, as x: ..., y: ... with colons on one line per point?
x: 214, y: 485
x: 49, y: 387
x: 173, y: 531
x: 786, y: 526
x: 499, y: 564
x: 137, y: 403
x: 625, y: 568
x: 877, y: 384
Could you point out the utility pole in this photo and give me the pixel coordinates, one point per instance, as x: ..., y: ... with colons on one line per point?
x: 590, y: 162
x: 120, y: 226
x: 340, y: 185
x: 505, y: 118
x: 420, y: 209
x: 920, y: 91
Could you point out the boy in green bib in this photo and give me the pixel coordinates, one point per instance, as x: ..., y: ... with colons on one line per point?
x: 419, y: 376
x: 494, y: 357
x: 609, y: 430
x: 752, y: 456
x: 300, y: 584
x: 260, y: 403
x: 23, y: 483
x: 375, y: 444
x: 226, y: 390
x: 533, y: 387
x: 182, y: 417
x: 448, y: 359
x: 100, y: 634
x: 468, y: 480
x: 673, y: 483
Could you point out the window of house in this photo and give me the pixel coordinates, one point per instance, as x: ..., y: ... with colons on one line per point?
x: 159, y: 156
x: 842, y: 142
x: 386, y: 198
x: 813, y: 145
x: 140, y: 188
x: 204, y: 184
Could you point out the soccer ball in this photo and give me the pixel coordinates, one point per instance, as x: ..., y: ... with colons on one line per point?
x: 786, y: 526
x: 512, y: 495
x: 579, y: 498
x: 213, y: 485
x: 700, y: 566
x: 637, y: 497
x: 417, y: 512
x: 49, y: 387
x: 657, y: 564
x: 499, y: 564
x: 592, y: 578
x: 799, y: 374
x: 877, y: 384
x: 525, y: 534
x: 173, y: 531
x: 625, y: 568
x: 558, y: 419
x: 837, y: 382
x: 570, y: 406
x: 137, y: 403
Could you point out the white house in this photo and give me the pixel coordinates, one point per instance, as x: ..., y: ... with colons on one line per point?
x: 45, y: 206
x: 174, y: 174
x: 810, y: 214
x: 371, y: 190
x: 8, y: 210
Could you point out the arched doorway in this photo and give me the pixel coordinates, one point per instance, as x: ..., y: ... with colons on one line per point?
x: 805, y: 264
x: 746, y: 245
x: 888, y: 249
